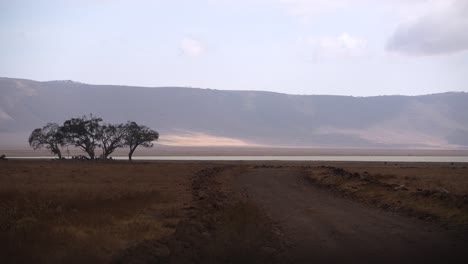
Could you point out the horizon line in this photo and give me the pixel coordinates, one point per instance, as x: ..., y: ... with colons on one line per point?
x: 228, y: 90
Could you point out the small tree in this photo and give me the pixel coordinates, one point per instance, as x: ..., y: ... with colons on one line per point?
x: 50, y: 137
x: 138, y: 135
x: 83, y: 132
x: 112, y: 137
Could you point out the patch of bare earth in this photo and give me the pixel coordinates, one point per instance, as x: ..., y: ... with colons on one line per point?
x: 223, y: 227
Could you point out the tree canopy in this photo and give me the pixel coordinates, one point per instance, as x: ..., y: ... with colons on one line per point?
x: 83, y: 132
x: 138, y: 135
x: 88, y: 133
x: 112, y: 137
x: 50, y: 137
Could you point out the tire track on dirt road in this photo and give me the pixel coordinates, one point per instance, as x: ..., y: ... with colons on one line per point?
x: 324, y: 228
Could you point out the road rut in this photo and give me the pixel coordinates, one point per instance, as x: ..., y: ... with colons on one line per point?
x: 324, y: 228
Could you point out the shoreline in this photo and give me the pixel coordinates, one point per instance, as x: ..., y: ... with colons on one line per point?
x: 159, y: 150
x: 385, y: 159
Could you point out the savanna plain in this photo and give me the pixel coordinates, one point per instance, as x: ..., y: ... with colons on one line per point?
x: 72, y: 211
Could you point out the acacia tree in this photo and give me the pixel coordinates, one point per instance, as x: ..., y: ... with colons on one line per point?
x: 112, y: 137
x: 50, y: 137
x: 138, y: 135
x: 83, y: 132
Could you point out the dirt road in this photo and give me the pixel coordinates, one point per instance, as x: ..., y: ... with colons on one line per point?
x: 324, y: 228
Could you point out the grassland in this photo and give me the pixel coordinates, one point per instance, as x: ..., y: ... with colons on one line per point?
x: 101, y: 212
x: 123, y: 212
x: 76, y: 212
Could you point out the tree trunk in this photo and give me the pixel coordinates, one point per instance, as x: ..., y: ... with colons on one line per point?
x: 130, y: 154
x: 90, y: 153
x: 105, y: 153
x: 56, y: 150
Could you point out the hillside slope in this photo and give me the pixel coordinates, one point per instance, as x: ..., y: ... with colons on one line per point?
x: 250, y: 117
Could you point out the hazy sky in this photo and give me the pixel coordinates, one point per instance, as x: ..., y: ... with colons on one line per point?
x: 349, y: 47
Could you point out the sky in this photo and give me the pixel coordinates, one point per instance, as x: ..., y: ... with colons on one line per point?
x: 339, y: 47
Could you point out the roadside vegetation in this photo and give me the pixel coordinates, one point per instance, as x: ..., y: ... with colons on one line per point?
x: 432, y: 192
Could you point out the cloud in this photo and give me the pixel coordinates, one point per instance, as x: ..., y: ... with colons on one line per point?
x: 4, y: 116
x: 441, y: 31
x: 192, y: 47
x: 341, y: 46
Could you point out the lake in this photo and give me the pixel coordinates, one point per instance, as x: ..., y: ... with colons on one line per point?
x: 294, y: 158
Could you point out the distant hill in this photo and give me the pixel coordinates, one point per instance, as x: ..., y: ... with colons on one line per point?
x: 244, y: 117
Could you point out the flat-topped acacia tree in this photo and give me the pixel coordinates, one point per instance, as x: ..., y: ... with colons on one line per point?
x: 112, y: 137
x: 50, y: 137
x: 83, y: 132
x: 138, y: 135
x: 88, y: 133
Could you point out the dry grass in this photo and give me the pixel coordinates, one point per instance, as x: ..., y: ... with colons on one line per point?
x: 243, y: 234
x: 452, y: 177
x: 75, y: 212
x: 431, y: 191
x: 86, y: 212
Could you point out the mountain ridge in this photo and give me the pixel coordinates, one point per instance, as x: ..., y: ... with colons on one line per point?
x: 211, y: 116
x: 229, y: 90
